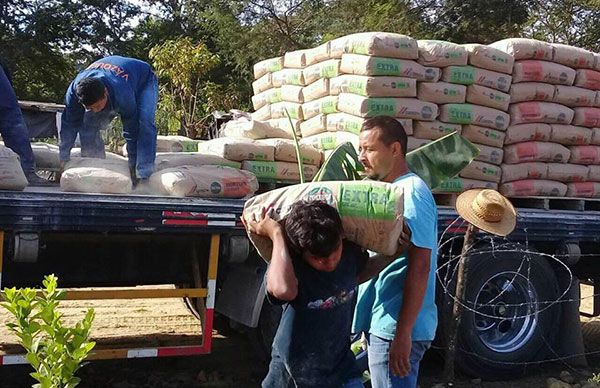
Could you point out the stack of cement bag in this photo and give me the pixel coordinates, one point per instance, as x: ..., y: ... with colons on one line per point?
x: 549, y: 147
x: 11, y: 173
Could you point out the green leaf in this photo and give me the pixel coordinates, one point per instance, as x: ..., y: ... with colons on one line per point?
x: 341, y: 165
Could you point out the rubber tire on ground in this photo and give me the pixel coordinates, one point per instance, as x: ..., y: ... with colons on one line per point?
x: 262, y: 336
x: 476, y: 359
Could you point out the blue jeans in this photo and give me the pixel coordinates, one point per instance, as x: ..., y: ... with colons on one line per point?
x: 381, y: 376
x: 92, y: 145
x: 354, y: 383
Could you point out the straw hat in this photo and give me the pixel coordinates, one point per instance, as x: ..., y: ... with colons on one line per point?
x: 488, y: 210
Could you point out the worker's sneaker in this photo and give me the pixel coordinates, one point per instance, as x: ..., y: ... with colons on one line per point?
x: 35, y: 180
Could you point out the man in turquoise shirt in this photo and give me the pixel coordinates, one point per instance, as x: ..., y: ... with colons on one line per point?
x: 397, y: 309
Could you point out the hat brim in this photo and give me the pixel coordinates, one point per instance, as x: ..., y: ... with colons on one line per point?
x: 501, y: 228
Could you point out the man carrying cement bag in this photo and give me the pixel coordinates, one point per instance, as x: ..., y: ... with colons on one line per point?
x: 396, y: 310
x: 109, y: 87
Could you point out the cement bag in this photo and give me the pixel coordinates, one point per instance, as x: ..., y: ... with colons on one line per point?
x: 175, y: 144
x: 587, y: 154
x: 326, y: 69
x: 597, y: 103
x: 176, y: 159
x: 262, y: 114
x: 382, y: 44
x: 481, y: 95
x: 583, y: 190
x: 45, y: 155
x: 262, y: 84
x: 564, y: 172
x: 482, y: 171
x: 295, y: 59
x: 527, y: 132
x: 595, y: 140
x: 517, y: 172
x: 489, y: 58
x: 252, y: 129
x: 285, y: 151
x: 330, y: 140
x: 91, y: 175
x: 318, y: 89
x: 288, y: 77
x: 574, y: 57
x: 317, y: 54
x: 371, y: 212
x: 270, y: 65
x: 76, y: 153
x: 536, y: 151
x: 278, y: 110
x: 237, y: 149
x: 533, y: 187
x: 441, y: 92
x: 413, y: 143
x: 468, y: 75
x: 313, y: 126
x: 409, y: 108
x: 570, y: 135
x: 542, y: 71
x: 292, y: 93
x: 269, y: 96
x: 284, y: 125
x: 323, y: 105
x: 573, y: 96
x: 531, y: 91
x: 594, y: 173
x: 337, y: 47
x: 380, y: 86
x: 434, y: 129
x: 589, y: 79
x: 279, y: 170
x: 205, y: 182
x: 439, y: 53
x: 540, y: 112
x: 587, y: 117
x: 12, y: 176
x: 474, y: 114
x: 458, y: 185
x: 364, y: 65
x: 350, y: 123
x: 489, y: 154
x: 522, y: 48
x: 483, y: 135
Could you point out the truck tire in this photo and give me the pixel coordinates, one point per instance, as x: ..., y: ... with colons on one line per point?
x: 263, y: 335
x: 508, y: 321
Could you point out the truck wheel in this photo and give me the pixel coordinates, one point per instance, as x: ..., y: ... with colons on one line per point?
x: 509, y: 319
x: 262, y: 336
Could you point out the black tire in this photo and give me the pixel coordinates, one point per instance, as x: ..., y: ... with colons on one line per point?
x: 262, y: 336
x: 508, y: 320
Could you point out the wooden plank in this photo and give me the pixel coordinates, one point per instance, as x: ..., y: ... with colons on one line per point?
x: 148, y: 293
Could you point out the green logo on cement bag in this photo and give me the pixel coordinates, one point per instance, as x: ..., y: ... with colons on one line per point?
x: 189, y: 146
x: 452, y: 185
x: 274, y: 65
x: 321, y: 194
x: 460, y: 113
x: 263, y: 169
x: 386, y: 66
x: 352, y: 126
x: 462, y: 75
x: 329, y: 70
x: 357, y: 87
x: 366, y: 201
x: 381, y: 106
x: 329, y: 105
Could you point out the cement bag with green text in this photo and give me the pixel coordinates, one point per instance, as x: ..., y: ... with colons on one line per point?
x: 483, y: 135
x: 371, y: 212
x: 482, y: 171
x: 350, y: 123
x: 285, y: 151
x: 319, y: 88
x: 434, y: 129
x: 380, y: 86
x: 458, y: 185
x: 284, y: 125
x: 91, y: 175
x: 313, y: 126
x: 523, y: 48
x: 270, y: 65
x: 269, y: 96
x: 205, y: 182
x: 489, y: 58
x: 284, y: 171
x: 262, y: 114
x: 481, y: 95
x: 166, y: 160
x: 175, y: 144
x: 413, y: 143
x: 469, y: 75
x: 540, y: 112
x: 237, y: 149
x: 278, y: 110
x: 288, y: 77
x: 542, y: 71
x: 409, y: 108
x: 441, y: 92
x: 533, y: 187
x: 317, y: 54
x: 517, y: 172
x: 531, y: 91
x: 325, y: 69
x: 489, y: 154
x: 474, y: 114
x: 440, y: 53
x: 330, y: 140
x: 12, y: 176
x: 253, y: 129
x: 384, y: 44
x: 583, y: 189
x: 365, y: 65
x: 262, y: 84
x: 295, y: 59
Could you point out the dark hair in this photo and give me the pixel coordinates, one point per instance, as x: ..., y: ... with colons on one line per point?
x: 89, y: 90
x: 313, y: 227
x: 391, y: 130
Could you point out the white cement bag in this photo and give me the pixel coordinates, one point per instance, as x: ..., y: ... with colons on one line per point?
x: 489, y: 58
x: 587, y: 155
x: 409, y: 108
x: 382, y: 44
x: 481, y: 95
x: 371, y: 212
x: 573, y: 96
x: 285, y: 151
x: 527, y: 132
x: 589, y: 79
x: 317, y: 54
x: 294, y: 109
x: 285, y: 171
x: 288, y: 77
x: 458, y: 185
x: 12, y: 176
x: 381, y: 86
x: 270, y: 65
x: 349, y: 123
x: 570, y: 135
x: 330, y: 140
x: 536, y: 151
x: 482, y: 171
x: 583, y: 190
x: 237, y: 149
x: 292, y: 93
x: 564, y: 172
x: 542, y: 71
x: 269, y: 96
x: 441, y: 92
x: 326, y: 69
x: 284, y: 125
x: 531, y: 91
x: 323, y: 105
x: 483, y: 135
x: 489, y: 154
x: 587, y: 117
x: 594, y: 173
x: 174, y: 143
x: 365, y: 65
x: 318, y: 89
x: 337, y: 47
x: 433, y: 130
x: 574, y: 57
x: 252, y: 129
x: 166, y: 160
x: 262, y: 84
x: 45, y: 155
x: 540, y: 112
x: 595, y: 140
x: 205, y: 182
x: 521, y: 171
x: 262, y: 114
x: 295, y: 59
x: 439, y: 53
x: 522, y: 48
x: 474, y: 114
x: 413, y: 143
x: 313, y: 126
x: 468, y: 75
x: 76, y: 153
x: 597, y: 102
x: 91, y: 175
x: 533, y: 187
